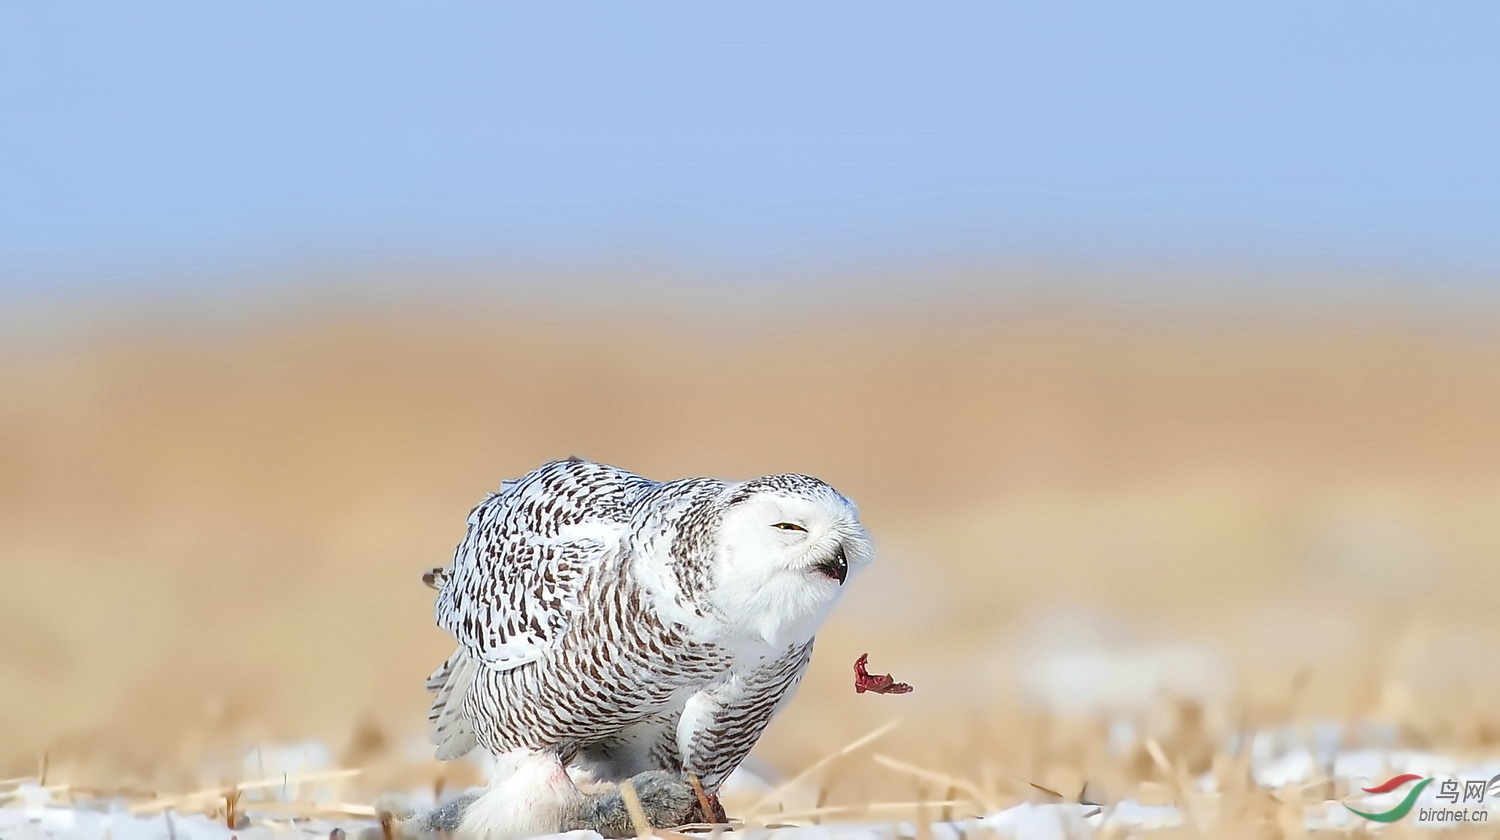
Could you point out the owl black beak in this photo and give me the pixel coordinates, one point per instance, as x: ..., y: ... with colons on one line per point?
x: 835, y: 566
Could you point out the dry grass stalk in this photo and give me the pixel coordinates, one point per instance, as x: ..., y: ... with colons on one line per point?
x: 637, y: 813
x: 182, y: 801
x: 934, y: 776
x: 231, y: 800
x: 878, y: 806
x: 782, y: 789
x: 703, y: 803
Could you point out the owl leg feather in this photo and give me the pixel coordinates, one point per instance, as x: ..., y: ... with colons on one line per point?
x: 529, y: 793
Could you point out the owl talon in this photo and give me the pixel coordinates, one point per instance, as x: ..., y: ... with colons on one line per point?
x: 714, y: 814
x: 710, y: 810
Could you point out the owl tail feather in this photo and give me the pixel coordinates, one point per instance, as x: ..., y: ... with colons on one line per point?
x: 451, y: 731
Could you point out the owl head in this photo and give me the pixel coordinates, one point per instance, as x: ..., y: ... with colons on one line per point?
x: 785, y: 549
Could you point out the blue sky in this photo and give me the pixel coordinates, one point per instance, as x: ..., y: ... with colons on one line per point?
x: 187, y: 140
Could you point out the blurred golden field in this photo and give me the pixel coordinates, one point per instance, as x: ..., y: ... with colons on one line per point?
x: 213, y: 534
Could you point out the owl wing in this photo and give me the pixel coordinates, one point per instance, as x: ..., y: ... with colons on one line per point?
x: 515, y: 579
x: 719, y: 725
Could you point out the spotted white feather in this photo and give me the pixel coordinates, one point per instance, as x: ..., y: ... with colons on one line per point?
x: 625, y: 624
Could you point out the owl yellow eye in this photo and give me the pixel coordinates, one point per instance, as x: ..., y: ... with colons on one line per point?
x: 789, y: 526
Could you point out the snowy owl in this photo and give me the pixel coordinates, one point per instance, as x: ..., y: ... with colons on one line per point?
x: 611, y: 627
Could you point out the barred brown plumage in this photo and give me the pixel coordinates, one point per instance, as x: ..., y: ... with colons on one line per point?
x: 614, y: 626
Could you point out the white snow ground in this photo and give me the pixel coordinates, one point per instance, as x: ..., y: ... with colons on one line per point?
x: 1278, y: 759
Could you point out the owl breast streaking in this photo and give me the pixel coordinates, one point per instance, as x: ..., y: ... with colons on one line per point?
x: 611, y: 627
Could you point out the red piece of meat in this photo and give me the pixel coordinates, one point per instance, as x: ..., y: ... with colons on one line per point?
x: 876, y: 683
